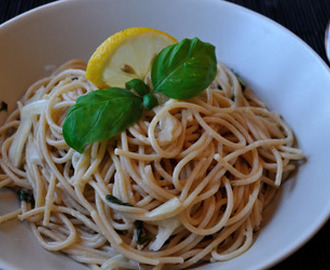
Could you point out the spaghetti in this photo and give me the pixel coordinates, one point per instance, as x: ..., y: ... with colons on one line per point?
x: 185, y: 185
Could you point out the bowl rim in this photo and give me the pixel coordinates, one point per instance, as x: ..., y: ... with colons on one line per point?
x: 324, y: 215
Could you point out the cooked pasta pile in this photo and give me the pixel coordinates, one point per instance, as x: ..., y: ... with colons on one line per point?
x: 185, y: 185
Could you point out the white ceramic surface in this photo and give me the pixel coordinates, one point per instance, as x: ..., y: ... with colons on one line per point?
x: 283, y: 71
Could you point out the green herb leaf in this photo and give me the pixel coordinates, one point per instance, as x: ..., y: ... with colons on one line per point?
x: 25, y: 195
x: 141, y: 239
x: 139, y: 86
x: 149, y: 101
x: 100, y: 115
x: 185, y: 69
x: 115, y: 200
x: 240, y: 80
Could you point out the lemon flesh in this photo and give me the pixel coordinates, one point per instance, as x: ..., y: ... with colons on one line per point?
x: 126, y: 55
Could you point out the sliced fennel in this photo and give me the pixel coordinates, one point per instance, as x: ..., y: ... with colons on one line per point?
x: 165, y: 210
x: 20, y: 137
x: 165, y: 229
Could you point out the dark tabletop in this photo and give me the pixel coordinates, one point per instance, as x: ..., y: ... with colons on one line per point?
x: 305, y: 18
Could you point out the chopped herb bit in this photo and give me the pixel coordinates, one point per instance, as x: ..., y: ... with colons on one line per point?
x: 141, y: 239
x: 25, y: 195
x: 144, y: 239
x: 74, y: 78
x: 240, y: 80
x: 3, y: 106
x: 115, y: 200
x: 138, y: 225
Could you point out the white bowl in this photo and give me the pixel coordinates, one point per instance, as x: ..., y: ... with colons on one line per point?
x: 288, y: 75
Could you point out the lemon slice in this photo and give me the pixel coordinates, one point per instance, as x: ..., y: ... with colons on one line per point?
x: 126, y: 55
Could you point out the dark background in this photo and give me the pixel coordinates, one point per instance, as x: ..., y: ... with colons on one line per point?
x: 307, y: 19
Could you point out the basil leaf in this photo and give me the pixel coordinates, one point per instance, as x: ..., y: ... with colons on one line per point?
x: 139, y: 86
x: 100, y: 115
x: 115, y: 200
x: 185, y: 69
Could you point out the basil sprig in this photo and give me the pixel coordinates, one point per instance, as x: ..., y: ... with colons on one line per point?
x: 180, y: 71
